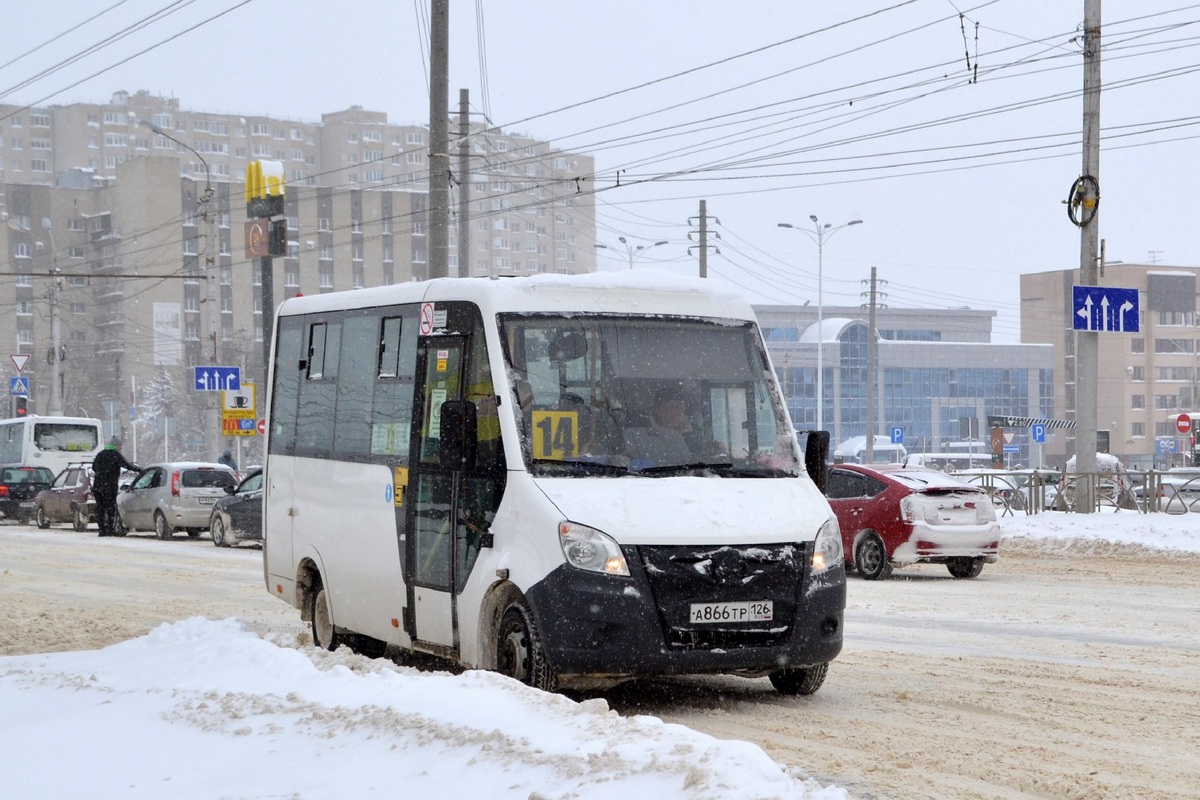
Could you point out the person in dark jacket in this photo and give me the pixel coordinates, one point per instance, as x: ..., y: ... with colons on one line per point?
x: 106, y: 472
x: 227, y: 459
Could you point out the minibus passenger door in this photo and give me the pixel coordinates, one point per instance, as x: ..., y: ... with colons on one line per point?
x: 432, y: 544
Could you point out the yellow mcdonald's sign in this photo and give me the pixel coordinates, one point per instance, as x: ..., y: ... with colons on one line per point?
x: 264, y: 188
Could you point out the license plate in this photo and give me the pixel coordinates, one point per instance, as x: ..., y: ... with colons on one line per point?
x: 747, y: 611
x: 27, y: 504
x: 207, y: 501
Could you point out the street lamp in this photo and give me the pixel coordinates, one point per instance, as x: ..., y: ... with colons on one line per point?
x: 819, y: 234
x: 630, y: 250
x: 210, y: 262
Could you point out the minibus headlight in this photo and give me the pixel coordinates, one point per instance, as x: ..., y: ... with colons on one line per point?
x: 588, y: 548
x: 827, y: 549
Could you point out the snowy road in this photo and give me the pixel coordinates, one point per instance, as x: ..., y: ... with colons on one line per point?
x: 1067, y: 675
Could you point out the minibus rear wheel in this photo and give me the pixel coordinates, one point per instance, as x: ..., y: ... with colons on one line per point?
x: 799, y: 680
x: 519, y: 652
x: 324, y: 634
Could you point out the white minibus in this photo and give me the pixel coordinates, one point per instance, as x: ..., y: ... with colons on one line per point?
x: 572, y: 480
x: 52, y: 442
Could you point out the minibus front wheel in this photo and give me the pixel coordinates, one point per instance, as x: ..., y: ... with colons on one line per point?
x: 519, y: 651
x: 799, y: 680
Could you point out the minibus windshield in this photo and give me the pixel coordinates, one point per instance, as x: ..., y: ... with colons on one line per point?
x: 612, y: 396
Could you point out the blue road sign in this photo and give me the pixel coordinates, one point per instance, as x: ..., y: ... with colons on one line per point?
x: 218, y: 379
x: 1164, y: 447
x: 1012, y: 448
x: 1039, y: 432
x: 1103, y: 308
x: 19, y: 386
x: 897, y: 435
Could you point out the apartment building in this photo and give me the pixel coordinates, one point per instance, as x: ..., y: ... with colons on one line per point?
x: 107, y: 202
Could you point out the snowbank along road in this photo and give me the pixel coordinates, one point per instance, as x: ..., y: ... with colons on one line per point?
x: 1064, y: 673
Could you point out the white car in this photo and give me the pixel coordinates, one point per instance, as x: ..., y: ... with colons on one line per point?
x: 173, y: 496
x: 1179, y: 490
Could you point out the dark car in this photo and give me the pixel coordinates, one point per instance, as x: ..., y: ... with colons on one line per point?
x: 18, y: 487
x: 895, y: 516
x: 68, y: 499
x: 238, y: 517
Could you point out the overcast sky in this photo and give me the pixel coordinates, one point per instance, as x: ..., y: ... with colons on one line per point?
x: 955, y: 138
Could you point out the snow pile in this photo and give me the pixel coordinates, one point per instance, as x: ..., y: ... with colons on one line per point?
x: 203, y: 708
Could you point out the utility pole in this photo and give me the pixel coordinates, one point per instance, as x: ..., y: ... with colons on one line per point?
x: 56, y: 356
x: 872, y: 361
x: 439, y: 139
x: 464, y: 184
x: 702, y: 237
x: 1087, y: 343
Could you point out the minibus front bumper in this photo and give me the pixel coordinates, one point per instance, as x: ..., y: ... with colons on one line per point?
x: 601, y: 626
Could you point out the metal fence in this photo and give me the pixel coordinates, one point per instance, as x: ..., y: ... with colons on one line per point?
x: 1035, y: 491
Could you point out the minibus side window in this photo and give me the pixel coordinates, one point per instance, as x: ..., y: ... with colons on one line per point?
x: 356, y: 381
x: 391, y: 419
x: 285, y: 394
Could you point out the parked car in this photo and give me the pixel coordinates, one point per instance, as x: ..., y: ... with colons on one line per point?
x: 173, y: 496
x: 1179, y: 490
x: 894, y: 516
x: 18, y: 487
x: 67, y: 499
x: 238, y: 517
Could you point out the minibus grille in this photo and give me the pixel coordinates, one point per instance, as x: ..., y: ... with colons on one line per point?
x: 682, y: 575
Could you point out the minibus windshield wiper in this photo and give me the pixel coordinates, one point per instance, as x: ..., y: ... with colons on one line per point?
x: 726, y: 469
x: 579, y: 467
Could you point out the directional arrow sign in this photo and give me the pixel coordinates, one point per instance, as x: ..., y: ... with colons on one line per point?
x: 218, y: 379
x: 1103, y: 308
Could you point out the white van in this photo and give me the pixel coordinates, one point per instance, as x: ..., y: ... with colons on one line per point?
x: 569, y: 479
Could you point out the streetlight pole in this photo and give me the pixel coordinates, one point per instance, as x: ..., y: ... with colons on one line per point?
x: 631, y: 251
x: 210, y: 262
x: 820, y: 234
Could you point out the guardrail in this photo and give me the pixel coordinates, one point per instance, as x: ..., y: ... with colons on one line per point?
x: 1034, y: 491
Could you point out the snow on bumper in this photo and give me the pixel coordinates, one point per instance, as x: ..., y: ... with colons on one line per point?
x: 934, y: 543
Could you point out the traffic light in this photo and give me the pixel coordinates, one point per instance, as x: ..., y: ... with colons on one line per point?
x: 21, y: 408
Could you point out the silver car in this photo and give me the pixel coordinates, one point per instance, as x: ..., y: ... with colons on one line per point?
x: 173, y: 496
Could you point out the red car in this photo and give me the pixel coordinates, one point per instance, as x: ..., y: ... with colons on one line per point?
x: 894, y: 516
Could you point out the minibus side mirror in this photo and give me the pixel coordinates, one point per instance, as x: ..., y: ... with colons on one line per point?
x: 458, y: 434
x: 816, y: 458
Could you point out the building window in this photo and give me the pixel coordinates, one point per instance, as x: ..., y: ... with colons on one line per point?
x: 1137, y: 430
x: 1173, y: 345
x: 326, y: 280
x: 24, y: 307
x: 1137, y: 345
x: 1137, y: 373
x: 1138, y: 402
x: 260, y: 129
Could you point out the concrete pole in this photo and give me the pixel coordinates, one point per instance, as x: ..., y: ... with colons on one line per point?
x: 464, y: 184
x: 871, y: 360
x: 1087, y: 343
x: 703, y: 238
x: 439, y: 139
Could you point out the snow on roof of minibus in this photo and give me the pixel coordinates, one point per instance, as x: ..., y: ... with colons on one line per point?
x: 648, y: 291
